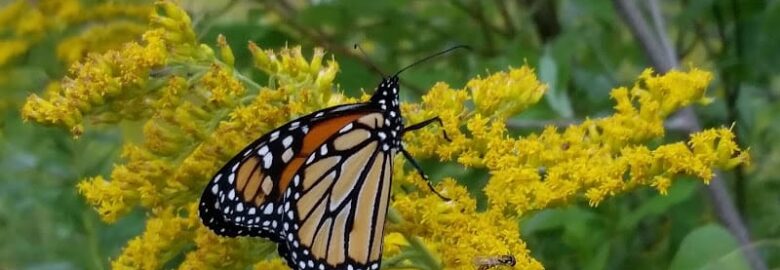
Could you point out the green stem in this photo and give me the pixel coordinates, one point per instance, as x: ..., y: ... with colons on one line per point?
x: 426, y: 258
x: 422, y: 255
x: 243, y: 78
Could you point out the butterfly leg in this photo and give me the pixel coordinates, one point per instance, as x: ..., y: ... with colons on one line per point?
x: 426, y: 123
x: 422, y: 173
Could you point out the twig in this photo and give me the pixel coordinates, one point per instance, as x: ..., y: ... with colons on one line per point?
x: 540, y: 124
x: 638, y: 25
x: 287, y: 12
x: 724, y: 206
x: 675, y: 123
x: 732, y: 95
x: 208, y: 18
x: 660, y: 29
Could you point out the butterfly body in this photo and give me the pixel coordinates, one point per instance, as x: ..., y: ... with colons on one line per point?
x: 319, y: 185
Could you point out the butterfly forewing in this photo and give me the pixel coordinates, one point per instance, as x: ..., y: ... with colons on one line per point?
x: 319, y: 185
x: 245, y: 196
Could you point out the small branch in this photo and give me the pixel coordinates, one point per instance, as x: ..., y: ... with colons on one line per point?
x: 676, y: 123
x: 717, y: 190
x: 205, y: 21
x: 642, y: 32
x: 540, y: 124
x: 733, y: 87
x: 660, y: 29
x: 287, y: 13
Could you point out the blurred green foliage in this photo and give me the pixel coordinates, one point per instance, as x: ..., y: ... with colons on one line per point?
x: 580, y: 48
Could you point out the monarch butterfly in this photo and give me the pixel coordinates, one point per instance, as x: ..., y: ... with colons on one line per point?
x: 484, y: 263
x: 319, y: 185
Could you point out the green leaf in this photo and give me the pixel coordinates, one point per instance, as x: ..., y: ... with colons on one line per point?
x: 599, y: 261
x: 555, y: 96
x: 709, y: 247
x: 680, y: 191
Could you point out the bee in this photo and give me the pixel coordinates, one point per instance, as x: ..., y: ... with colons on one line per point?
x: 487, y: 262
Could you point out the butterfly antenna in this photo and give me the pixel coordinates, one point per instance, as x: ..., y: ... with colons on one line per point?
x: 432, y: 56
x: 365, y: 56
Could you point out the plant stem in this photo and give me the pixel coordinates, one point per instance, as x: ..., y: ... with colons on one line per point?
x: 717, y: 191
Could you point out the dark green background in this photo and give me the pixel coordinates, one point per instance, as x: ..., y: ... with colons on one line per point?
x: 580, y: 48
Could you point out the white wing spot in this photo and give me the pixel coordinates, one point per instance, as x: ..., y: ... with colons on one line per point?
x: 240, y: 207
x: 324, y: 150
x: 287, y: 155
x: 346, y: 128
x: 231, y: 178
x: 267, y: 160
x: 263, y: 150
x: 311, y: 158
x: 287, y: 141
x: 274, y: 135
x: 214, y: 189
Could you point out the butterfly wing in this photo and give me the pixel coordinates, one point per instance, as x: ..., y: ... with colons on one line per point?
x: 244, y: 198
x: 335, y: 208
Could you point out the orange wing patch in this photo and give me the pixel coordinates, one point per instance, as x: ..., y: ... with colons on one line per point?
x: 318, y: 134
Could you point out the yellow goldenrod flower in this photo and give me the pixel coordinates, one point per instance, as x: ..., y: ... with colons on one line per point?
x: 198, y: 111
x: 98, y: 40
x: 29, y: 22
x: 11, y: 48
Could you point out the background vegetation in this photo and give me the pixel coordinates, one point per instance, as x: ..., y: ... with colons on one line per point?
x: 580, y: 48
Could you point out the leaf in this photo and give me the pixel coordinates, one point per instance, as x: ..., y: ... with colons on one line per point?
x: 599, y: 261
x: 657, y: 205
x: 709, y: 247
x: 555, y: 96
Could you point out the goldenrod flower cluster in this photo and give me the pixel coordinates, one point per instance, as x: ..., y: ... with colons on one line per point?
x: 593, y: 160
x: 87, y: 28
x: 197, y: 111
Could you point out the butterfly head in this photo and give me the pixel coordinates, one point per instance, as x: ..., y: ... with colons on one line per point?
x: 386, y: 100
